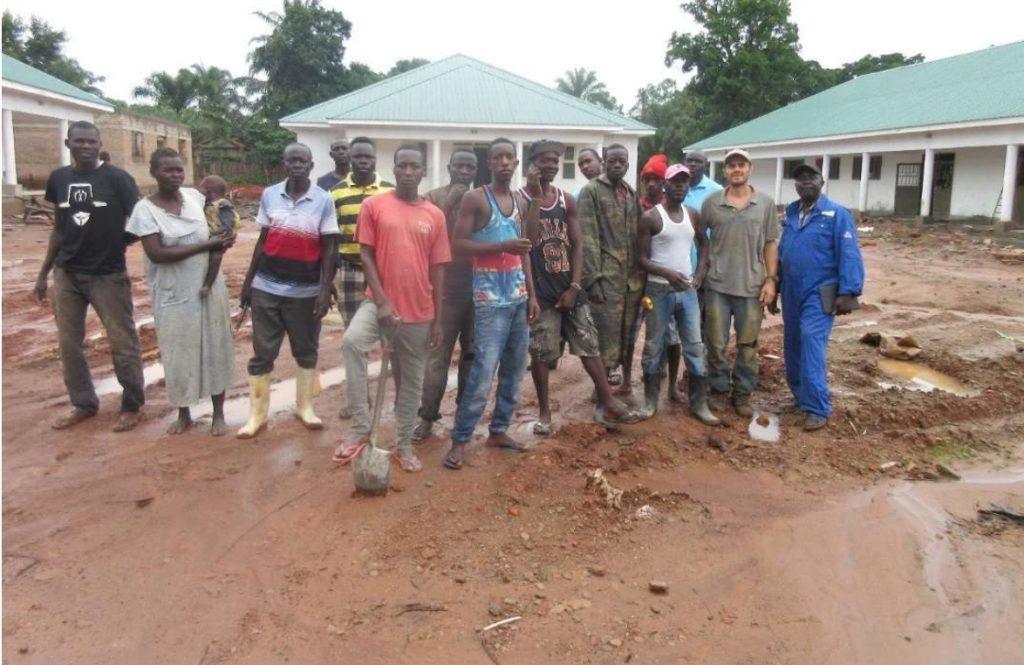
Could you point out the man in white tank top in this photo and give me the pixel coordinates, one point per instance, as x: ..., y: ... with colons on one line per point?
x: 665, y: 236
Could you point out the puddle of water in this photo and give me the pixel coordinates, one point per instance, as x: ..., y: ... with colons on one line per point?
x: 150, y: 375
x: 921, y: 377
x: 765, y: 427
x: 145, y: 320
x: 857, y: 324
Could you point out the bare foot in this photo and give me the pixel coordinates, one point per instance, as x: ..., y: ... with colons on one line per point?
x: 182, y: 424
x: 503, y: 440
x: 127, y: 421
x: 455, y: 457
x: 71, y: 418
x: 218, y: 427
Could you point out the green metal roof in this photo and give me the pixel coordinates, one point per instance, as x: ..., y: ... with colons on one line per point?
x: 982, y: 85
x: 17, y: 71
x: 463, y: 90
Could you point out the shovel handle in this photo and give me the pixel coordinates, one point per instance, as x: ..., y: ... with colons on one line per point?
x: 382, y: 380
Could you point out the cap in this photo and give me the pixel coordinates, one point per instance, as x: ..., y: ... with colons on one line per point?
x: 655, y: 166
x: 740, y: 152
x: 676, y: 169
x: 805, y: 168
x: 540, y: 147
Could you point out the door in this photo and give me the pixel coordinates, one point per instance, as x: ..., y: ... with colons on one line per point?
x: 1018, y: 197
x: 483, y: 165
x: 942, y: 185
x: 908, y: 190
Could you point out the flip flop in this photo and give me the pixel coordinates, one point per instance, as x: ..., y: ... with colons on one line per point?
x: 409, y: 463
x: 454, y: 463
x: 347, y: 452
x: 631, y: 417
x: 542, y: 429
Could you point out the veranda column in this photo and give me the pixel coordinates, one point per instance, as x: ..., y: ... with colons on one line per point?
x: 435, y: 164
x: 711, y: 169
x: 862, y: 197
x: 927, y: 175
x: 1009, y: 185
x: 826, y: 161
x: 779, y: 165
x: 517, y: 179
x: 10, y: 165
x: 65, y: 154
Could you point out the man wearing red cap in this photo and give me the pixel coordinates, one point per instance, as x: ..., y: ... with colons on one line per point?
x: 652, y: 179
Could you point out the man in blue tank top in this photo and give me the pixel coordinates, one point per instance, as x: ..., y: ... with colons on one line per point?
x: 489, y: 229
x: 556, y: 260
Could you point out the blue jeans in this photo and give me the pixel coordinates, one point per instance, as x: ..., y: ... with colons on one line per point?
x: 501, y: 341
x: 682, y: 307
x: 721, y: 310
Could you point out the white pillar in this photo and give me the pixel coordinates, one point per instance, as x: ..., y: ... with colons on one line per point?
x: 711, y: 169
x: 10, y: 165
x: 927, y: 175
x: 826, y: 161
x: 517, y: 179
x: 435, y: 164
x: 1009, y: 183
x: 65, y: 154
x: 778, y: 180
x: 865, y: 169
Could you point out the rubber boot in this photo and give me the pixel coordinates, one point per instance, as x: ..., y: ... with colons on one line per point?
x: 259, y: 406
x: 652, y: 390
x: 697, y: 393
x: 305, y: 389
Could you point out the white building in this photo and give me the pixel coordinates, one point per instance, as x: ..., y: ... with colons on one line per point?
x: 34, y: 99
x: 939, y: 139
x: 462, y: 102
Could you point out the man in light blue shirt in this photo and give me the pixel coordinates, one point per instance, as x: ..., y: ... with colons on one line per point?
x: 696, y: 161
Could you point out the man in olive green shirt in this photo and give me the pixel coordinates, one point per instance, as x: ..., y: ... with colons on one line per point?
x: 741, y: 279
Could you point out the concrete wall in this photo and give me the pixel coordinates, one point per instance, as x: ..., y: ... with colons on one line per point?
x: 388, y: 139
x: 977, y: 181
x: 37, y: 143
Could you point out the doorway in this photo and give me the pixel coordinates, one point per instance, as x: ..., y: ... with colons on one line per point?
x: 908, y: 190
x: 942, y: 185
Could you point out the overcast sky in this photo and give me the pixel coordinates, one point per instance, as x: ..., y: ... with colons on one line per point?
x: 125, y: 40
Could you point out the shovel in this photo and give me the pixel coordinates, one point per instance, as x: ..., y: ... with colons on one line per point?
x: 371, y: 469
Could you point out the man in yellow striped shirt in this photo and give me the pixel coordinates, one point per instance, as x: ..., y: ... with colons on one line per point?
x: 360, y: 184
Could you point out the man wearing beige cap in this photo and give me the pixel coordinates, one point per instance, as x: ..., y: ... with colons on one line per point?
x: 742, y: 277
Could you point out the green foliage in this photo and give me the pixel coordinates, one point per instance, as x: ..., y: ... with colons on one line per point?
x: 403, y: 66
x: 40, y: 45
x: 673, y: 113
x: 583, y: 83
x: 873, y: 63
x: 299, y: 63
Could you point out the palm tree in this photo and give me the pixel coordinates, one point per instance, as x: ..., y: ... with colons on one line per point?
x: 584, y: 84
x: 172, y: 91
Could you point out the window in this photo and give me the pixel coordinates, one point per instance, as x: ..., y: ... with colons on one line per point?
x: 138, y: 149
x: 569, y: 163
x: 833, y: 167
x: 874, y: 168
x: 789, y: 166
x: 525, y: 164
x: 161, y: 141
x: 570, y: 153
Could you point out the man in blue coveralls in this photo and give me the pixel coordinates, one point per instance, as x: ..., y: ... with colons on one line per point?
x: 821, y: 275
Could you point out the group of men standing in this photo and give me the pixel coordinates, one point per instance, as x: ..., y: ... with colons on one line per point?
x: 513, y: 275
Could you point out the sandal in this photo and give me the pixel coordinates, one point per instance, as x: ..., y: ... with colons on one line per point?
x: 347, y: 452
x: 409, y: 462
x: 541, y: 428
x: 629, y: 418
x: 455, y: 457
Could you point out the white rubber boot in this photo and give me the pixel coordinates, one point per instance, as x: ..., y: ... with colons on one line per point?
x: 305, y: 388
x: 259, y: 406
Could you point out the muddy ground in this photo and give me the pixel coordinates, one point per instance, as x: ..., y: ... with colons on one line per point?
x: 146, y: 548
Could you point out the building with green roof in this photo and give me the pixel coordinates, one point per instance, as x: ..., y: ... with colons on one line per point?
x: 461, y: 102
x: 937, y: 139
x: 33, y: 98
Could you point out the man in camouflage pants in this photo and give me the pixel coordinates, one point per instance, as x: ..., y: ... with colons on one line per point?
x: 609, y: 214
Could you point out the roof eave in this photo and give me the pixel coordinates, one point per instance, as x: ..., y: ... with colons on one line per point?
x: 606, y: 129
x: 896, y: 131
x: 55, y: 96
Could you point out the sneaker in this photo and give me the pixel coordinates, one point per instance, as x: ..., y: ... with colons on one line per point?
x: 742, y: 406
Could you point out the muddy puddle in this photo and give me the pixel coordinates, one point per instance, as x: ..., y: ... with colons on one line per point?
x: 920, y: 377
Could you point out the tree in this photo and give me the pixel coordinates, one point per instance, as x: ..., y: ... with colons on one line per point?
x: 403, y: 66
x: 41, y: 46
x: 299, y: 63
x: 747, y: 59
x: 583, y: 83
x: 361, y: 75
x: 870, y: 64
x: 176, y: 92
x: 673, y: 113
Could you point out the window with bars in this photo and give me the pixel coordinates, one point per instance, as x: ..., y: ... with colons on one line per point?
x: 874, y: 168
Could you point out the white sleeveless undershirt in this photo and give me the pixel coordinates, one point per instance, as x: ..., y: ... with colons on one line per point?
x: 670, y: 248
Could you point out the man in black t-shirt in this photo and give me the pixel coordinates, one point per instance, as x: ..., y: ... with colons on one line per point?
x: 86, y: 251
x: 553, y: 227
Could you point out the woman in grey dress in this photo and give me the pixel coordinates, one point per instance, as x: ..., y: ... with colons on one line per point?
x: 193, y: 332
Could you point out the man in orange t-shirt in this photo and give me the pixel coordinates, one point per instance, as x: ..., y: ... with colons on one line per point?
x: 403, y: 242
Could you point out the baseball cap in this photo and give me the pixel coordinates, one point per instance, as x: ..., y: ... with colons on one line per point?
x: 805, y: 168
x: 738, y: 152
x: 675, y: 170
x: 540, y: 147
